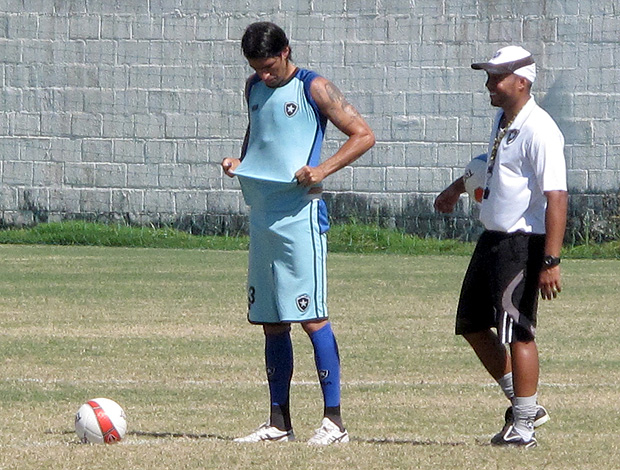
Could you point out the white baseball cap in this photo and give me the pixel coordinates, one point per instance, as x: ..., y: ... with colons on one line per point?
x: 510, y: 59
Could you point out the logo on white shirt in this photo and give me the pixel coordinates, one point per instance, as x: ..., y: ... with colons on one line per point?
x: 512, y: 135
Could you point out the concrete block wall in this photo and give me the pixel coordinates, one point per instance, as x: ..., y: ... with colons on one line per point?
x: 122, y: 110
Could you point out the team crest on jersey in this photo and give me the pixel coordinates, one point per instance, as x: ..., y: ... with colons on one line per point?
x: 512, y: 135
x: 290, y: 109
x: 303, y: 302
x: 323, y: 374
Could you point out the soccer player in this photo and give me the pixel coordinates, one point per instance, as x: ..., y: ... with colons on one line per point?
x: 518, y: 255
x: 280, y: 174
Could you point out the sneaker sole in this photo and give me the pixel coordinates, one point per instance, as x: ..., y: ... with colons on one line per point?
x: 499, y: 441
x: 341, y: 440
x: 281, y: 439
x: 538, y: 422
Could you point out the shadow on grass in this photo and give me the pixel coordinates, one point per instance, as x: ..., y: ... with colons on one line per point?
x: 165, y: 435
x: 353, y: 439
x: 184, y: 435
x: 412, y: 442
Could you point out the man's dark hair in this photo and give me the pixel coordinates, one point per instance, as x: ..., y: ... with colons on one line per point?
x: 263, y: 40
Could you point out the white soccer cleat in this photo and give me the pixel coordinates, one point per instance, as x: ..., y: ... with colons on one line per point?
x: 328, y: 433
x: 267, y: 433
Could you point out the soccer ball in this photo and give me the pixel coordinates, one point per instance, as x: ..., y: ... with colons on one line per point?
x: 474, y: 177
x: 100, y: 421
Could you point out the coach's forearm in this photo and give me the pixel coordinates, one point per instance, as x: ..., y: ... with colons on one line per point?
x: 555, y: 221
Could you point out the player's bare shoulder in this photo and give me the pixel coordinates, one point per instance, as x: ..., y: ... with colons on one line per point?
x: 332, y: 102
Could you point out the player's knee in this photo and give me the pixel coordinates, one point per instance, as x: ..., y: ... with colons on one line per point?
x: 313, y: 326
x: 276, y: 328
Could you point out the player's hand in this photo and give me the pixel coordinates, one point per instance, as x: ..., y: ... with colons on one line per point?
x: 447, y: 199
x: 309, y: 176
x: 549, y: 283
x: 229, y: 165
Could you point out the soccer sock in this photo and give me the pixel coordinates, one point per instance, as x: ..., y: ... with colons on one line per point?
x: 524, y: 414
x: 506, y: 383
x: 279, y: 363
x: 327, y: 362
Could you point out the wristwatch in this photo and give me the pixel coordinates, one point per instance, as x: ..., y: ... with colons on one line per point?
x: 550, y: 261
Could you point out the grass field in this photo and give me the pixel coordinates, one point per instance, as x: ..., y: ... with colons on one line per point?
x: 163, y: 332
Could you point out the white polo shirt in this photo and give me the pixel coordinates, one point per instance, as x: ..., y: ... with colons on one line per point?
x: 530, y: 160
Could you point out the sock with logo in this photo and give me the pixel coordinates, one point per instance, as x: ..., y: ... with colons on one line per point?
x: 327, y: 362
x: 279, y: 363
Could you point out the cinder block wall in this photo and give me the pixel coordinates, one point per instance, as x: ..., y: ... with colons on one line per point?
x: 122, y: 110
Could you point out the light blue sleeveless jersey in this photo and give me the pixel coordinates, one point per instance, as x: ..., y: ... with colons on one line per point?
x: 286, y: 133
x: 286, y: 270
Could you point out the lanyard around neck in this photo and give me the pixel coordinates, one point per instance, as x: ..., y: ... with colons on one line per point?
x: 499, y: 135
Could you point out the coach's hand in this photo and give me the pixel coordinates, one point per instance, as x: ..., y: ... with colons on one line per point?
x: 447, y: 199
x: 549, y: 283
x: 229, y: 165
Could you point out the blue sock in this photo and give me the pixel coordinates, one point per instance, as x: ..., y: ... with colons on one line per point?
x: 327, y: 362
x: 279, y: 363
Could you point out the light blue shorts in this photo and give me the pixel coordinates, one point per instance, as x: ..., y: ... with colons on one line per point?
x: 286, y: 274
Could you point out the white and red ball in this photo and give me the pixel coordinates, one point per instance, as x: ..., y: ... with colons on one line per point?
x: 100, y: 421
x: 474, y: 177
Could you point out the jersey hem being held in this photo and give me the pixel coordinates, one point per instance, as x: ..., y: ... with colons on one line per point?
x: 285, y: 133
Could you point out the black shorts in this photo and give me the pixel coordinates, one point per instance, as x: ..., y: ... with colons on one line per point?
x: 500, y: 289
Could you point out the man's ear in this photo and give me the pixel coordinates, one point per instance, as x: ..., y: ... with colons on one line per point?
x: 524, y: 83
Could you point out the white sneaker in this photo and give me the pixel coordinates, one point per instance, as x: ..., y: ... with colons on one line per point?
x: 328, y: 433
x: 266, y: 432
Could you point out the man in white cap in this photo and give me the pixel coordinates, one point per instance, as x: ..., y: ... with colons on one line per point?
x: 524, y: 213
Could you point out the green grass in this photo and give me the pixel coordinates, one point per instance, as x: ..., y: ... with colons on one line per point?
x: 163, y: 332
x: 356, y: 238
x: 89, y: 233
x: 345, y: 238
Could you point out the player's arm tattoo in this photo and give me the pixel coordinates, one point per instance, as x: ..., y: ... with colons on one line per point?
x: 337, y: 99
